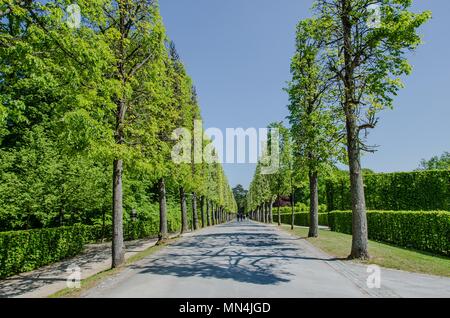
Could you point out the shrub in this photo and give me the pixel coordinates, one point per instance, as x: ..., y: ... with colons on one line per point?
x: 404, y: 191
x: 22, y: 251
x: 426, y: 231
x: 301, y: 219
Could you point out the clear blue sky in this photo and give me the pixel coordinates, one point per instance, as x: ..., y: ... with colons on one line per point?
x: 238, y: 54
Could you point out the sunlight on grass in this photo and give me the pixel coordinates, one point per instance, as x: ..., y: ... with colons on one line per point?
x: 338, y: 244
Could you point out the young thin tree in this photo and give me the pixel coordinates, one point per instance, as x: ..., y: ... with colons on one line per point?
x: 279, y: 181
x: 313, y: 128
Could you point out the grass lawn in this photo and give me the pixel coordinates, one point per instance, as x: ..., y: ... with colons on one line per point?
x: 385, y: 255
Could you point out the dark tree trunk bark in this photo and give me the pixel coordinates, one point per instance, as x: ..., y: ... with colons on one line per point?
x: 208, y: 220
x: 183, y: 208
x: 264, y: 212
x: 61, y: 216
x: 217, y: 214
x: 163, y: 231
x: 202, y: 210
x: 359, y: 217
x: 271, y: 212
x: 103, y: 225
x: 293, y: 211
x: 278, y: 211
x: 194, y: 212
x: 118, y: 254
x: 313, y: 205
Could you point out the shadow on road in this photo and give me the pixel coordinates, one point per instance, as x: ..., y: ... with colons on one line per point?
x: 244, y: 252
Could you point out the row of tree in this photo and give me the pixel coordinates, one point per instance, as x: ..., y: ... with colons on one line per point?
x: 347, y: 67
x: 84, y: 105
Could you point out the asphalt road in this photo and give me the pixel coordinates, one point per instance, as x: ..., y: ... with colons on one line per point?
x: 252, y: 260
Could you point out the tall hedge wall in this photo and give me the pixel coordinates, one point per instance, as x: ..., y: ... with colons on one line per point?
x: 22, y: 251
x: 404, y: 191
x: 427, y: 231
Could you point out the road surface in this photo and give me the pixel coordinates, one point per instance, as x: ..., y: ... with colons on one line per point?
x: 252, y: 260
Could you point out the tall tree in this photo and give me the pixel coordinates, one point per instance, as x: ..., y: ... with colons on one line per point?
x: 240, y: 195
x: 314, y: 130
x: 280, y: 179
x: 366, y: 60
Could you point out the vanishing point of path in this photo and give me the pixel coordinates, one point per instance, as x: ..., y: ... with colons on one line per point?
x: 252, y: 260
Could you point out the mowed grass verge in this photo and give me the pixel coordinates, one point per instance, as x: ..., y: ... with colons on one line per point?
x: 385, y: 255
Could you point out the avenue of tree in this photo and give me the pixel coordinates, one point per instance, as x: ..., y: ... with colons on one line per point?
x: 86, y: 120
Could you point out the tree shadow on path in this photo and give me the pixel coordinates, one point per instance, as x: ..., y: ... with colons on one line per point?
x: 244, y: 252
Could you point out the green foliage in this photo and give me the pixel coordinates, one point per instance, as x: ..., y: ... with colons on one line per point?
x: 436, y: 163
x: 314, y: 128
x: 266, y: 187
x: 22, y: 251
x: 240, y: 195
x: 58, y: 114
x: 421, y: 230
x: 420, y: 190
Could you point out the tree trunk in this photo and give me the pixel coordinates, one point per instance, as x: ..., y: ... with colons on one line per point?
x: 313, y: 205
x: 265, y: 212
x: 103, y: 225
x: 163, y: 232
x: 359, y: 217
x: 184, y: 216
x: 194, y: 212
x: 278, y: 211
x: 61, y: 217
x: 271, y: 212
x: 118, y: 253
x: 293, y: 211
x: 208, y: 220
x: 202, y: 210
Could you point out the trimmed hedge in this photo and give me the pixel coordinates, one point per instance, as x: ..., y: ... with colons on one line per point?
x: 301, y: 219
x: 403, y: 191
x: 425, y: 231
x: 22, y: 251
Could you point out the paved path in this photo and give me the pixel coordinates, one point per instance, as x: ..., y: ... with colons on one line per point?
x: 253, y: 260
x: 48, y: 280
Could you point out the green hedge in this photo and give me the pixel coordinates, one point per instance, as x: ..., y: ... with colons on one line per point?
x: 404, y: 191
x: 301, y: 219
x: 426, y: 231
x: 22, y: 251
